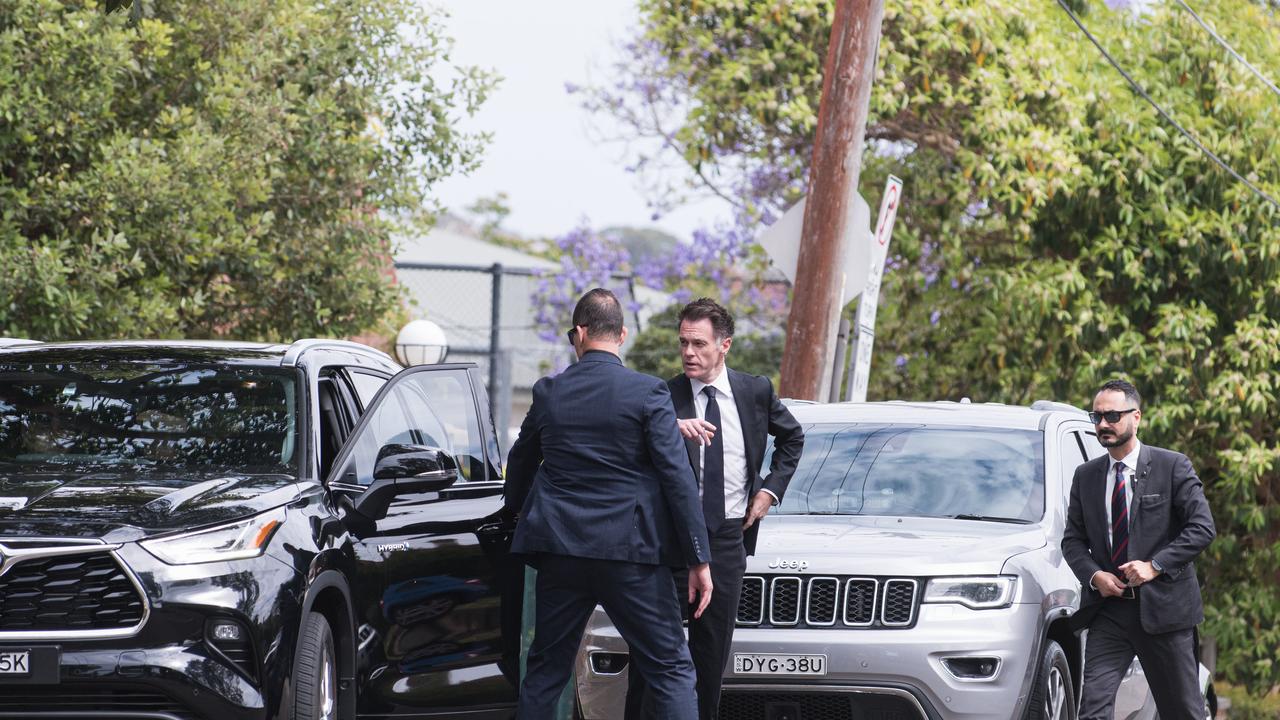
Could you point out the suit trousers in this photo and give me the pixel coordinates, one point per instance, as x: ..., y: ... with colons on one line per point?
x: 710, y: 636
x: 643, y: 607
x: 1168, y: 661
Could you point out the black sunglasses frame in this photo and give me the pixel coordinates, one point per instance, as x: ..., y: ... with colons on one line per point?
x: 572, y: 333
x: 1098, y: 417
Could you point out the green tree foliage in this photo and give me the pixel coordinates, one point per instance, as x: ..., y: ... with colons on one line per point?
x: 1055, y: 231
x: 220, y: 168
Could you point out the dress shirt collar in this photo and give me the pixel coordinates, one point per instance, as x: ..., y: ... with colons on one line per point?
x: 1130, y: 461
x: 721, y: 384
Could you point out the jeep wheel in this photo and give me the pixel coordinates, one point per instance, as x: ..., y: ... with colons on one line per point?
x: 315, y: 672
x: 1052, y: 697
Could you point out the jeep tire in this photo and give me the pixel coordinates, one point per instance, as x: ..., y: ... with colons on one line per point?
x: 1052, y: 696
x: 315, y: 672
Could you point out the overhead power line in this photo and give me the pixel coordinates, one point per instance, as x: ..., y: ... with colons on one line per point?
x: 1169, y: 118
x: 1257, y: 73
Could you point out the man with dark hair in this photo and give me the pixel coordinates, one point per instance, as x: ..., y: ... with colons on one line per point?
x: 1135, y: 524
x: 607, y: 506
x: 726, y: 418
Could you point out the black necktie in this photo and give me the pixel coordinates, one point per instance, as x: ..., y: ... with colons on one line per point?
x: 713, y: 466
x: 1119, y: 523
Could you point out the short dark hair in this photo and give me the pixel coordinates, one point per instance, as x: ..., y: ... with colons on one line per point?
x: 708, y: 309
x: 1124, y: 386
x: 600, y: 313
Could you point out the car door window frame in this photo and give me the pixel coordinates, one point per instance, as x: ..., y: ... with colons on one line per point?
x: 344, y: 454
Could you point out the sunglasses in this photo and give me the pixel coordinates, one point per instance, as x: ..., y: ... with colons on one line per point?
x: 573, y: 331
x: 1111, y: 416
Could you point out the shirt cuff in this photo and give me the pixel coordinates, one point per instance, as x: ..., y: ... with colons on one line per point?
x: 775, y: 497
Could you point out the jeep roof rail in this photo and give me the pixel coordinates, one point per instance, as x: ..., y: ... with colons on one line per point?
x: 299, y: 347
x: 15, y: 342
x: 1053, y: 405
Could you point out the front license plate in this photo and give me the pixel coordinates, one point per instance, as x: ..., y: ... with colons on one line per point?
x: 15, y: 662
x: 759, y: 664
x: 38, y: 665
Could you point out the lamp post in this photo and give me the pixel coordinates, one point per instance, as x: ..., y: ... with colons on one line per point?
x: 421, y: 342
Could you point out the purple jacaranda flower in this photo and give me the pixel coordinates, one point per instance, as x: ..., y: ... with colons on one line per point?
x: 900, y: 361
x: 934, y: 317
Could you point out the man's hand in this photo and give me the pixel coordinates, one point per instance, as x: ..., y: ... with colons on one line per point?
x: 700, y: 587
x: 696, y: 429
x: 1138, y: 572
x: 758, y: 508
x: 1107, y: 584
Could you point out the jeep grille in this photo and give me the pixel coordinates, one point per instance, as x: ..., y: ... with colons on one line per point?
x: 795, y: 601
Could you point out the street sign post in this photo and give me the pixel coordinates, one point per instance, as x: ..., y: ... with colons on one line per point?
x: 860, y: 362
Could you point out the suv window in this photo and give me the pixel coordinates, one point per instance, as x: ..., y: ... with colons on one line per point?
x: 433, y: 408
x: 922, y: 471
x: 367, y: 386
x: 243, y: 419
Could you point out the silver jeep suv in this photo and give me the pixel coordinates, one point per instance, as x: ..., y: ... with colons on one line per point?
x: 913, y: 570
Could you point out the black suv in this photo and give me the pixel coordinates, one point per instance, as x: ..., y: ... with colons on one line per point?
x: 227, y: 530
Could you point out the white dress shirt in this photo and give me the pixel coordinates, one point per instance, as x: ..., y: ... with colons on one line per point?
x: 730, y: 432
x: 1130, y: 470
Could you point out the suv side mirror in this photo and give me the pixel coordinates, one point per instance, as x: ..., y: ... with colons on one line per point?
x: 401, y: 470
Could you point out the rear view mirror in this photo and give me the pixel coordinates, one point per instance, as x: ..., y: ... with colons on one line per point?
x: 403, y: 470
x: 415, y: 468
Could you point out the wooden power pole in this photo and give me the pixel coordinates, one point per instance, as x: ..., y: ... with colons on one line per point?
x: 833, y: 180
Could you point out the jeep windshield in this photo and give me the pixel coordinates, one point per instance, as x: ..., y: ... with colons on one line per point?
x: 966, y: 473
x: 199, y: 418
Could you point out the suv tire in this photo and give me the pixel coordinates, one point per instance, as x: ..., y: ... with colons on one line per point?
x: 1052, y: 696
x: 315, y: 676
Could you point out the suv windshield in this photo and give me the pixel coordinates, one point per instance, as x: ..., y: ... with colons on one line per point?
x: 199, y: 417
x: 921, y: 471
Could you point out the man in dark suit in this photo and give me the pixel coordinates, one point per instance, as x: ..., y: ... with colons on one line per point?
x: 1135, y: 524
x: 607, y: 505
x: 726, y: 418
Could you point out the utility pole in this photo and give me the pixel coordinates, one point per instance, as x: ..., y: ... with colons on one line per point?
x: 833, y: 179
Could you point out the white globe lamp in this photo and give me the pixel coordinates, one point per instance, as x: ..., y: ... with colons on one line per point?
x: 421, y: 342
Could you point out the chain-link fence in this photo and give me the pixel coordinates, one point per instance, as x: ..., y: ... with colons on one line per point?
x: 487, y: 314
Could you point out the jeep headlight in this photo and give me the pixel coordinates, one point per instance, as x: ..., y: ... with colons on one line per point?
x: 979, y: 593
x: 234, y: 541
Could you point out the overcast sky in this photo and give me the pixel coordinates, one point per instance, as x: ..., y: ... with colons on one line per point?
x: 542, y: 154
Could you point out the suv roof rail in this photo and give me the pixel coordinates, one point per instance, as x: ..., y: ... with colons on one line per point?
x: 299, y: 347
x: 1053, y: 405
x: 14, y: 342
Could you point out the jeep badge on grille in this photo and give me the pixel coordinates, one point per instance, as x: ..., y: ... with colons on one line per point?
x: 779, y: 563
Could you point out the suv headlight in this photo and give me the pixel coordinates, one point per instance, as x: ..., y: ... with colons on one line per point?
x: 234, y: 541
x: 979, y: 593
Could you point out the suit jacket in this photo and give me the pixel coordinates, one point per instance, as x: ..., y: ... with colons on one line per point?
x: 762, y: 415
x: 1169, y: 522
x: 598, y: 470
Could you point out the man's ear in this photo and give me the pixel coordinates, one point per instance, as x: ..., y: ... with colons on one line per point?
x: 622, y: 336
x: 728, y: 343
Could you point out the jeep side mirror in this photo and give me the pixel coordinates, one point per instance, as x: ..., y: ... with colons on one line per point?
x: 401, y: 470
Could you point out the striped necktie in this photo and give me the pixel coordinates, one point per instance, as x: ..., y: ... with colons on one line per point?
x: 1119, y: 522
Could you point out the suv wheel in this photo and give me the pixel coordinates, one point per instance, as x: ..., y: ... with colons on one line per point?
x: 315, y: 672
x: 1052, y: 697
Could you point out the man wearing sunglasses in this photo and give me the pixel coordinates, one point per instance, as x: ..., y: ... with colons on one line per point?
x: 1135, y: 524
x: 607, y: 506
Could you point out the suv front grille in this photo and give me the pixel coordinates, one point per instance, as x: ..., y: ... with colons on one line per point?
x: 68, y: 593
x: 791, y: 601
